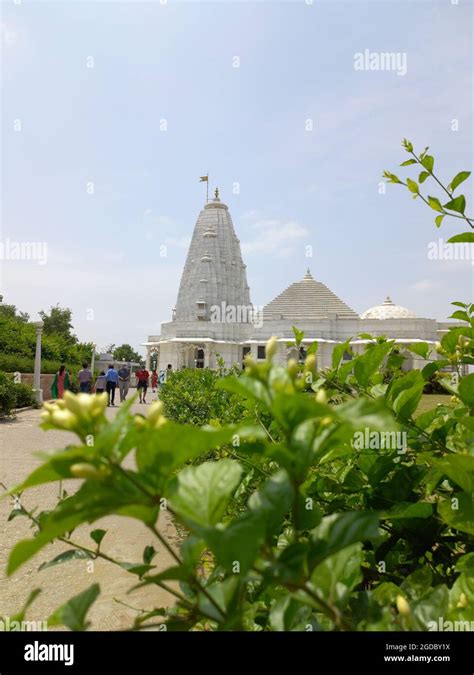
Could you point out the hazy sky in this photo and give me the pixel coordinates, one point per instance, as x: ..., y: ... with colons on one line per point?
x: 133, y: 101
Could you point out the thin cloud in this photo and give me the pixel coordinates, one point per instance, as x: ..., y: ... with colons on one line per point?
x: 274, y: 236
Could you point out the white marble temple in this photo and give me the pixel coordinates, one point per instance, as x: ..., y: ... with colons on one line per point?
x: 214, y: 317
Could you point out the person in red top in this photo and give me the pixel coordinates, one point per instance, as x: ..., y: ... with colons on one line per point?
x: 142, y: 383
x: 154, y: 380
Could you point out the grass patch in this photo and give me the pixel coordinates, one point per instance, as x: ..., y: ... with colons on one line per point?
x: 430, y: 401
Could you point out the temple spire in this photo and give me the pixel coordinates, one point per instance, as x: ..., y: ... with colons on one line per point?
x: 214, y: 272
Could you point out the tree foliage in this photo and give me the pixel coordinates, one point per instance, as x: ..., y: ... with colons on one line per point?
x: 58, y: 322
x: 126, y: 353
x: 18, y: 342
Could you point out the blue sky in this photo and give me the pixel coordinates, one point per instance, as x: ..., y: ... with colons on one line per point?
x: 164, y: 104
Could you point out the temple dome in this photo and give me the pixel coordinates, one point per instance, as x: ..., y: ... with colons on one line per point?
x: 214, y: 272
x: 388, y: 311
x: 307, y: 299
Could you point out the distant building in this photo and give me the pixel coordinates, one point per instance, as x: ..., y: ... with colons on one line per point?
x: 214, y: 316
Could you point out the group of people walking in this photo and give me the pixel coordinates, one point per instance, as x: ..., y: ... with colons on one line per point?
x: 106, y: 381
x: 109, y: 381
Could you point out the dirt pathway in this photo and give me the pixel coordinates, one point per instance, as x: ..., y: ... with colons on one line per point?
x: 125, y: 540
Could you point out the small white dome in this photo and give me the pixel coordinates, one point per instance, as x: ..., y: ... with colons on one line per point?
x: 388, y: 311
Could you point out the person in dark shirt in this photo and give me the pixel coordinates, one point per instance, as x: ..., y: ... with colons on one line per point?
x: 84, y: 378
x: 123, y: 382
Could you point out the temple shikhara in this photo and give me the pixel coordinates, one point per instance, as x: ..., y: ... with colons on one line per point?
x: 214, y: 316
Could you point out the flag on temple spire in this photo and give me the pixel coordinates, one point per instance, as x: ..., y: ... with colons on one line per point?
x: 205, y: 179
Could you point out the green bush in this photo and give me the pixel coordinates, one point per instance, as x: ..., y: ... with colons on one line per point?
x: 190, y: 396
x: 7, y: 394
x: 24, y: 395
x: 359, y: 517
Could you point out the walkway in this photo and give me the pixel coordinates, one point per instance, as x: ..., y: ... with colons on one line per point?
x: 126, y: 538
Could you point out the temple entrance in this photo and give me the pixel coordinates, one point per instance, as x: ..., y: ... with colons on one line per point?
x: 198, y: 357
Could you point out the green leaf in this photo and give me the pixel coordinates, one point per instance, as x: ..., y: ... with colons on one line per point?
x: 247, y: 387
x: 292, y: 409
x: 338, y: 353
x: 439, y: 220
x: 460, y: 315
x: 136, y: 568
x: 15, y: 512
x: 420, y: 348
x: 418, y: 582
x: 335, y: 577
x: 404, y: 393
x: 463, y: 238
x: 423, y: 176
x: 428, y: 162
x: 283, y: 613
x: 458, y: 204
x: 458, y: 179
x: 239, y: 542
x: 409, y: 510
x: 435, y: 204
x: 224, y: 594
x: 308, y: 513
x: 412, y: 186
x: 273, y: 500
x: 449, y: 341
x: 466, y: 422
x: 431, y: 368
x: 176, y: 573
x: 313, y: 348
x: 148, y: 554
x: 466, y: 564
x: 92, y: 501
x: 466, y: 390
x: 386, y: 593
x: 340, y: 530
x: 430, y: 607
x: 299, y: 335
x: 392, y: 178
x: 74, y: 554
x: 97, y: 536
x: 366, y: 365
x: 458, y: 511
x: 200, y: 494
x: 73, y: 613
x: 408, y: 162
x: 161, y: 451
x: 458, y: 468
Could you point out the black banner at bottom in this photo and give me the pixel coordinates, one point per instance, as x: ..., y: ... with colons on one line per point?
x: 68, y: 652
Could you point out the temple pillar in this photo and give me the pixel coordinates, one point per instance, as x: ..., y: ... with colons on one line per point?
x: 38, y: 392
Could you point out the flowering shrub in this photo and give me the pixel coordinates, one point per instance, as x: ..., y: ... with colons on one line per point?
x: 191, y: 396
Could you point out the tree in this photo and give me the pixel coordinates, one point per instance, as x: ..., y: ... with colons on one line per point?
x: 126, y: 353
x: 58, y: 322
x: 10, y: 311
